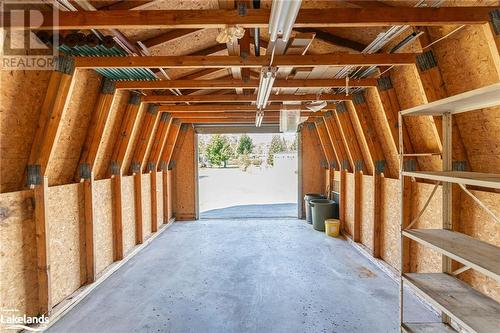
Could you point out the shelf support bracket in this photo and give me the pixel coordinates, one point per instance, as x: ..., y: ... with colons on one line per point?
x: 425, y: 207
x: 462, y: 186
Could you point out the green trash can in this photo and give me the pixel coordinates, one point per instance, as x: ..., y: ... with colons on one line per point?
x: 322, y: 209
x: 307, y: 198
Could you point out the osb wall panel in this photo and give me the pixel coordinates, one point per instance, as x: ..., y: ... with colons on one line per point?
x: 66, y: 239
x: 367, y: 211
x: 128, y: 216
x: 159, y: 196
x: 475, y: 222
x: 473, y: 67
x: 103, y: 224
x: 63, y: 162
x: 146, y: 205
x: 349, y: 214
x: 422, y: 131
x: 18, y: 253
x: 185, y: 178
x: 390, y: 219
x: 312, y: 173
x: 423, y: 258
x: 21, y: 97
x: 111, y: 132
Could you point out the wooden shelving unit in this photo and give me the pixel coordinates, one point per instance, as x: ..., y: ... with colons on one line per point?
x: 459, y: 303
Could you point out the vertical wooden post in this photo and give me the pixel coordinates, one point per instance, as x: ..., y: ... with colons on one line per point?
x: 377, y: 207
x: 342, y: 206
x: 42, y: 246
x: 117, y: 218
x: 154, y: 202
x: 139, y: 235
x: 88, y: 190
x: 166, y: 207
x: 358, y: 178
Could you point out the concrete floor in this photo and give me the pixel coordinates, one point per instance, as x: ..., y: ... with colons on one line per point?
x: 246, y: 275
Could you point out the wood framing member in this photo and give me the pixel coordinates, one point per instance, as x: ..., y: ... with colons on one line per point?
x: 168, y: 37
x: 159, y: 141
x: 139, y: 234
x: 268, y: 120
x: 377, y: 208
x: 334, y: 39
x: 343, y: 197
x: 96, y: 129
x: 345, y: 163
x: 216, y: 108
x: 147, y: 129
x: 154, y: 201
x: 325, y: 142
x: 358, y: 181
x: 237, y: 114
x: 217, y: 98
x: 334, y: 59
x: 52, y: 109
x: 231, y: 84
x: 88, y: 197
x: 123, y: 141
x: 117, y: 217
x: 40, y: 192
x: 358, y: 110
x: 350, y: 138
x: 255, y: 18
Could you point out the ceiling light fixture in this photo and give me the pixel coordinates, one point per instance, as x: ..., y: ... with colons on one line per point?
x: 258, y: 118
x: 283, y: 15
x: 267, y: 77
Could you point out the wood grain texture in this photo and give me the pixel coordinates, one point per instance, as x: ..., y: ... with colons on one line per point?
x: 103, y: 212
x: 128, y: 214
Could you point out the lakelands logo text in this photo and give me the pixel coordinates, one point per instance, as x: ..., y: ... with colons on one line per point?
x: 13, y: 322
x: 21, y: 46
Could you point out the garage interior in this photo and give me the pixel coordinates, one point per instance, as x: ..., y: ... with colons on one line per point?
x: 396, y: 106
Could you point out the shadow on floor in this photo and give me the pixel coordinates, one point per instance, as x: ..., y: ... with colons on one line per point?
x: 252, y: 211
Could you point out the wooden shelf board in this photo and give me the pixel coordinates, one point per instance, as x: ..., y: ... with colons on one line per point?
x: 476, y: 99
x: 490, y: 180
x: 479, y: 255
x: 468, y: 307
x: 427, y: 328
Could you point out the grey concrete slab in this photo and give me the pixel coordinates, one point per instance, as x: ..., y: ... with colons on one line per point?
x: 253, y: 211
x: 243, y: 275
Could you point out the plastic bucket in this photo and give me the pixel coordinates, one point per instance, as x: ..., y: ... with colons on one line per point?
x: 307, y: 198
x: 332, y: 227
x: 322, y: 209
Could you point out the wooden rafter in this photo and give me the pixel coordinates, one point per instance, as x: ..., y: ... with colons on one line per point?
x: 325, y: 142
x: 168, y: 148
x: 307, y: 18
x: 231, y: 84
x: 159, y: 141
x: 337, y: 142
x: 147, y: 128
x: 334, y: 39
x: 243, y: 114
x: 334, y: 59
x: 168, y: 37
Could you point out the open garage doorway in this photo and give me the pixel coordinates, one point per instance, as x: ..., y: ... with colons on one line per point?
x: 247, y: 175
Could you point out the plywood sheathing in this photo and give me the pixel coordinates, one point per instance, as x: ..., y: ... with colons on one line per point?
x: 103, y: 226
x: 146, y: 205
x: 310, y: 156
x: 21, y: 97
x: 111, y: 132
x: 184, y: 186
x: 349, y: 214
x: 475, y: 222
x: 170, y: 195
x: 367, y: 211
x: 18, y: 262
x: 65, y: 157
x: 66, y: 240
x: 473, y: 67
x: 423, y: 258
x: 128, y: 214
x: 422, y: 130
x: 390, y: 219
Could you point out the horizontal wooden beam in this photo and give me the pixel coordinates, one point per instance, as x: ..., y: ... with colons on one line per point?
x: 240, y: 114
x: 258, y: 18
x: 234, y: 120
x: 231, y: 84
x: 334, y: 59
x: 240, y: 98
x: 168, y: 37
x: 230, y: 108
